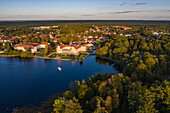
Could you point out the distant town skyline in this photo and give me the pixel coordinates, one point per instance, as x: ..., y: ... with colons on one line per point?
x: 84, y: 10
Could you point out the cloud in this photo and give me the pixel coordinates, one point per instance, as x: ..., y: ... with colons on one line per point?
x: 123, y: 12
x: 167, y: 17
x: 23, y: 16
x: 165, y: 10
x: 27, y: 16
x: 137, y: 11
x: 87, y: 15
x: 140, y: 3
x: 133, y: 4
x: 63, y: 16
x: 123, y: 4
x: 34, y: 17
x: 120, y: 12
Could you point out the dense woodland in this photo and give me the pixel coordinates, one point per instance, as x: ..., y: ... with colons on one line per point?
x: 142, y: 86
x: 144, y: 58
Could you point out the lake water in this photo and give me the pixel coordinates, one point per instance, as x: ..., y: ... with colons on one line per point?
x: 32, y: 81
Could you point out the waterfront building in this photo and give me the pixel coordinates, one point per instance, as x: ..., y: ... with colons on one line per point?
x: 70, y: 49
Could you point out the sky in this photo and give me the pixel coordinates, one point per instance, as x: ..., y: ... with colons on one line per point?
x: 84, y: 9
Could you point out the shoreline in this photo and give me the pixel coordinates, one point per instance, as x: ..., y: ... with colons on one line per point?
x: 45, y: 57
x: 8, y: 56
x: 105, y: 58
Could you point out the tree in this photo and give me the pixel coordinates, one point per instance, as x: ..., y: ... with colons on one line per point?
x: 59, y: 105
x: 120, y: 50
x: 150, y: 62
x: 100, y: 109
x: 46, y: 49
x: 72, y: 106
x: 8, y: 46
x: 108, y: 104
x: 147, y: 102
x: 25, y: 54
x: 16, y: 40
x: 28, y: 49
x: 62, y: 105
x: 102, y: 51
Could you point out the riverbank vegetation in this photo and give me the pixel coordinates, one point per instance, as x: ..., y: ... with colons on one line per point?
x: 79, y: 57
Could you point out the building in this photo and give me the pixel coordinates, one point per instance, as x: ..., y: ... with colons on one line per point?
x: 23, y: 46
x: 128, y: 35
x: 43, y: 27
x: 70, y: 49
x: 155, y: 33
x: 109, y: 33
x: 90, y: 46
x: 123, y: 27
x: 6, y: 40
x: 126, y: 28
x: 3, y: 41
x: 43, y: 44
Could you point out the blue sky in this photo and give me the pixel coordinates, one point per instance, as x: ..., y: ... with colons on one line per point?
x: 84, y: 9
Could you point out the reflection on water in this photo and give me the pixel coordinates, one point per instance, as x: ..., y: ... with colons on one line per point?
x: 81, y: 63
x: 47, y: 60
x: 10, y: 62
x: 73, y: 63
x: 25, y: 81
x: 24, y: 59
x: 97, y: 59
x: 104, y: 61
x: 59, y: 62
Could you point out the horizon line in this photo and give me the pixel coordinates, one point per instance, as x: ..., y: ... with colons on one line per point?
x: 78, y: 20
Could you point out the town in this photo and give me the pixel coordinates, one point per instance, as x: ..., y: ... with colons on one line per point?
x: 59, y: 42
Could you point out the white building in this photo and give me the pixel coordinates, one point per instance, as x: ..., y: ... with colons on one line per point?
x: 33, y: 46
x: 24, y: 48
x: 43, y: 44
x: 128, y: 35
x: 155, y: 33
x: 70, y: 49
x: 44, y: 27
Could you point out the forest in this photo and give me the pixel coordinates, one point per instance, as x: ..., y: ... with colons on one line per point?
x: 144, y: 58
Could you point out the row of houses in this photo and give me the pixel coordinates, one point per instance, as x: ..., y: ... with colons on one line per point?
x: 23, y: 46
x: 3, y: 41
x: 60, y: 49
x: 123, y: 27
x: 43, y: 27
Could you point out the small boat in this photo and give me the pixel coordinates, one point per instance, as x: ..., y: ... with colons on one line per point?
x: 59, y: 68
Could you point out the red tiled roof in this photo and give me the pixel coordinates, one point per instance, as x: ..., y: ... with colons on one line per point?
x: 29, y: 43
x: 76, y: 47
x: 44, y: 43
x: 125, y: 27
x: 25, y: 46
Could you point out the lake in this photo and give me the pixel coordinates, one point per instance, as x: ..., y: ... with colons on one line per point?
x: 32, y: 81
